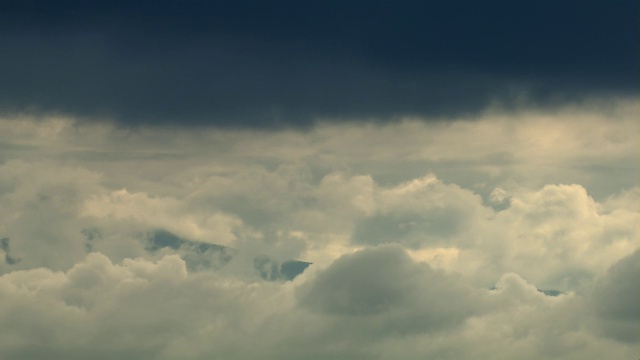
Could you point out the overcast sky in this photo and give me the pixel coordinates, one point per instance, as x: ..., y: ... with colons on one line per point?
x: 288, y: 62
x: 462, y: 177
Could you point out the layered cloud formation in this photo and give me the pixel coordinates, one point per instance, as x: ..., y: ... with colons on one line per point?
x: 505, y: 235
x: 320, y: 180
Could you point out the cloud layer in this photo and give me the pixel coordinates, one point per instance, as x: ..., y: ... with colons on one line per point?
x: 428, y: 239
x: 251, y: 64
x: 376, y: 303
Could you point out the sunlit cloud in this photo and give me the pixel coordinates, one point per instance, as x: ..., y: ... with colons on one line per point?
x: 340, y: 241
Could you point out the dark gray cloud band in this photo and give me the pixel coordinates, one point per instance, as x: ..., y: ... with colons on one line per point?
x: 254, y: 63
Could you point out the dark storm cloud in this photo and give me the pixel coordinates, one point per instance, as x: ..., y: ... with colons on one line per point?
x: 259, y: 63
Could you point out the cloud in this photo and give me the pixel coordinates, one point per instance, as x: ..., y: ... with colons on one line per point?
x: 164, y: 213
x: 374, y: 303
x: 615, y: 298
x: 428, y: 239
x: 385, y: 280
x: 223, y: 64
x: 40, y: 215
x: 557, y: 237
x: 422, y: 212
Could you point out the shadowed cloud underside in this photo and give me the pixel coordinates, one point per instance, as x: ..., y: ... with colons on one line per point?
x: 290, y: 63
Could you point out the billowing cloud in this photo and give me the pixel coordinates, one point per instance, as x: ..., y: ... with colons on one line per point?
x: 422, y: 212
x: 383, y: 282
x: 508, y: 235
x: 556, y: 236
x: 319, y: 180
x: 616, y: 297
x: 376, y: 303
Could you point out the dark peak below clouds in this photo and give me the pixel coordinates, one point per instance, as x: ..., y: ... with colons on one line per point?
x: 287, y: 63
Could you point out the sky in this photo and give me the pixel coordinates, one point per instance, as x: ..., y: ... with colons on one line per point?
x: 319, y: 180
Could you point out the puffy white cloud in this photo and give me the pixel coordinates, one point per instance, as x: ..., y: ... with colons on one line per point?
x: 139, y: 308
x: 428, y: 239
x: 163, y: 213
x: 422, y: 212
x: 376, y: 303
x: 556, y: 236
